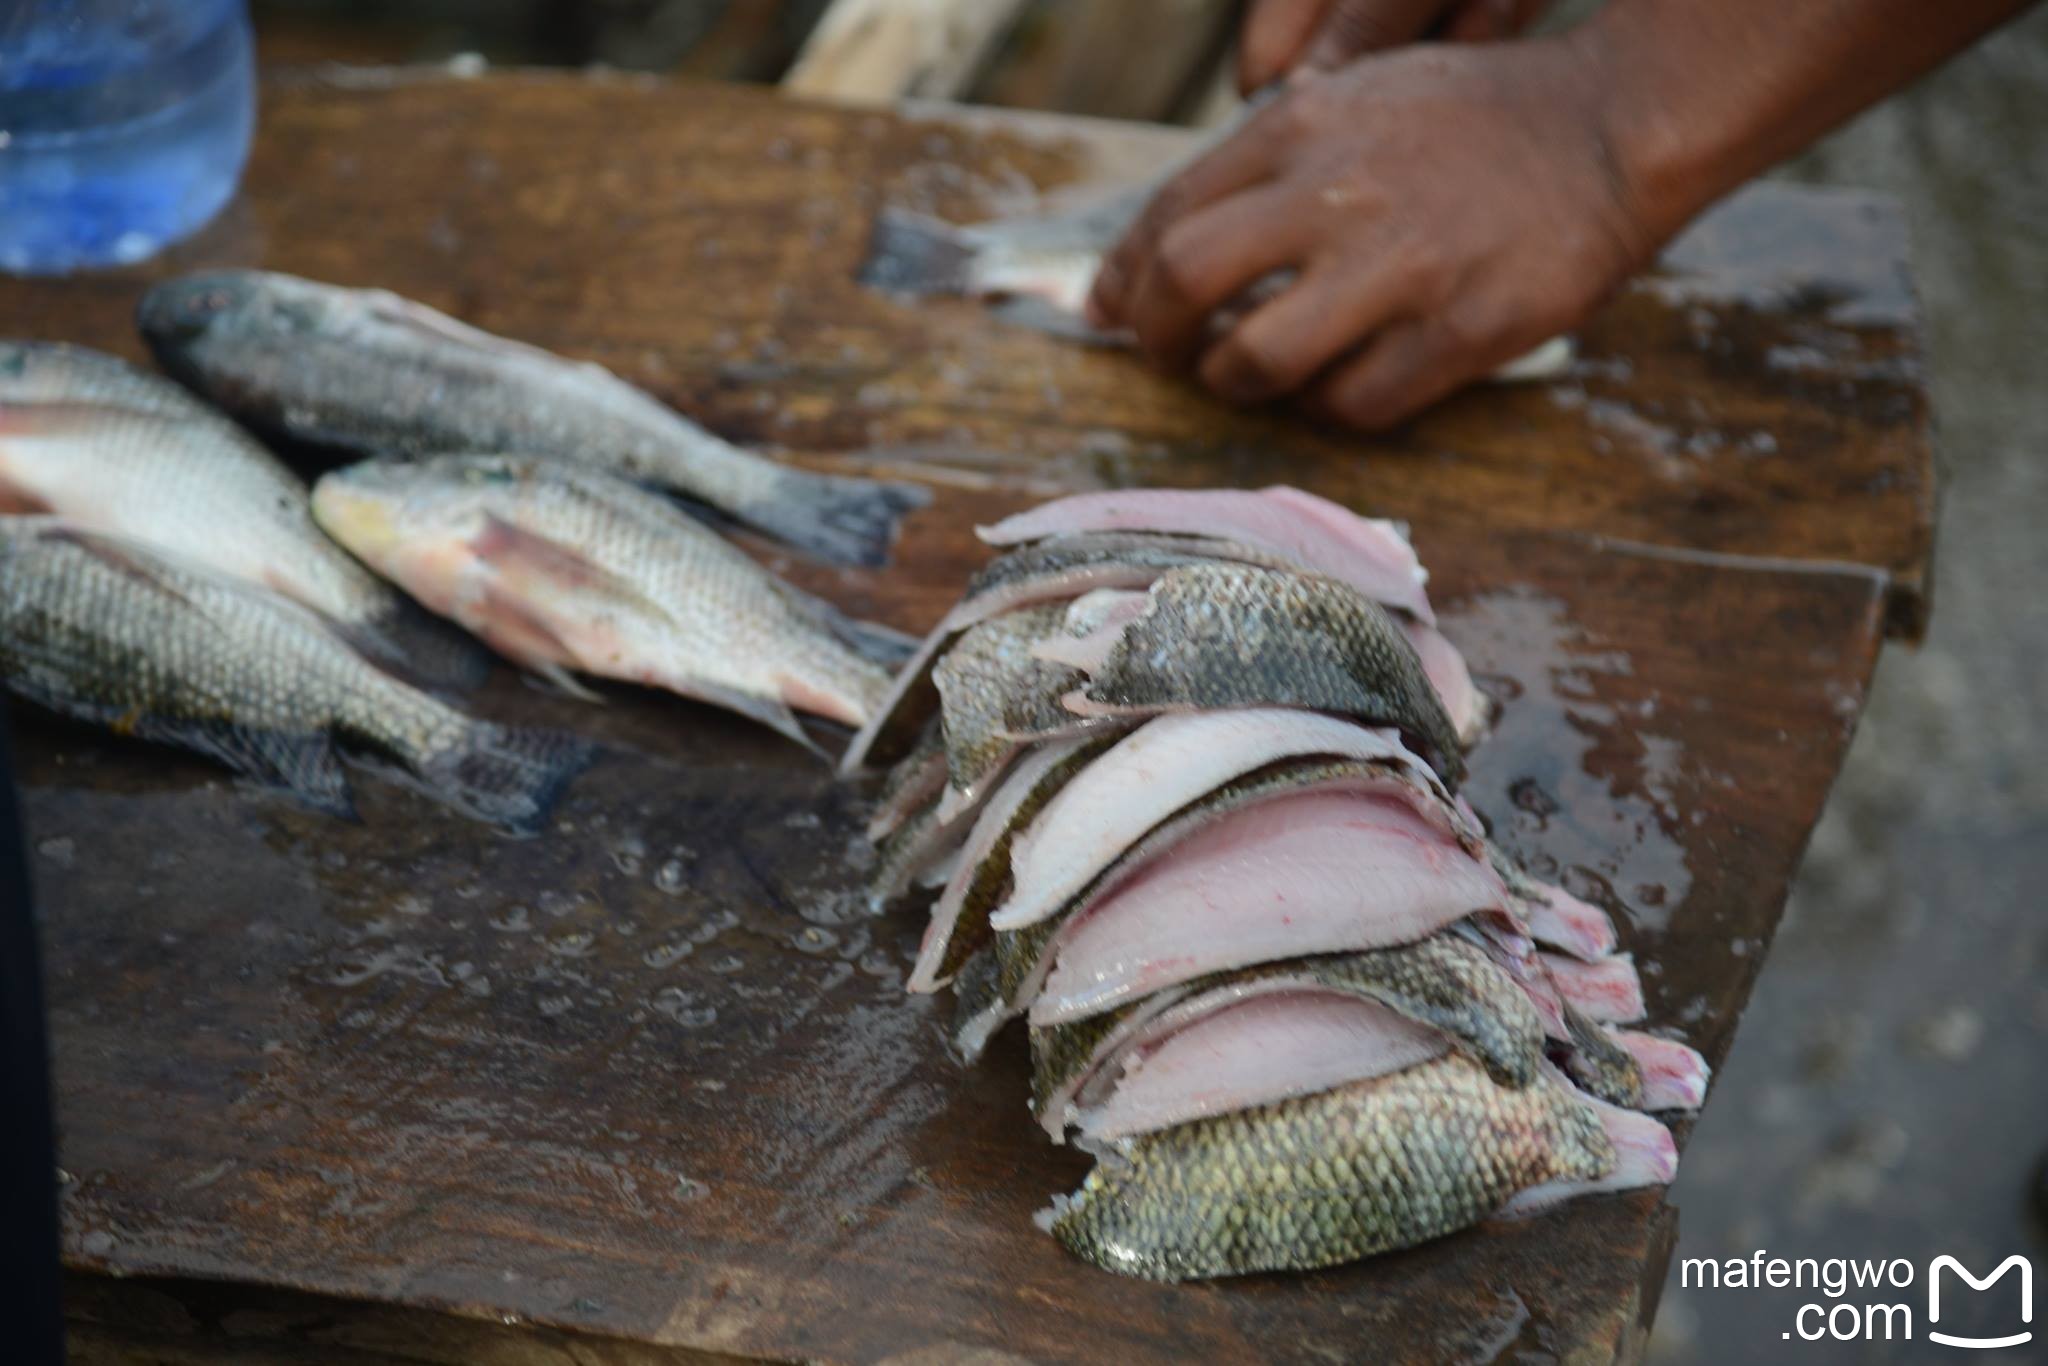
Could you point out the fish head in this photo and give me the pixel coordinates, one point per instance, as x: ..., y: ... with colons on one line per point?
x: 179, y: 315
x: 419, y: 522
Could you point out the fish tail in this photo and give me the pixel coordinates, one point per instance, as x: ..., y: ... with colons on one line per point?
x: 421, y: 646
x: 509, y: 776
x: 912, y: 253
x: 836, y: 518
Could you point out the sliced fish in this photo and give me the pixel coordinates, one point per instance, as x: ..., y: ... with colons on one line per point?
x: 995, y: 695
x: 1299, y: 529
x: 1314, y: 872
x: 368, y: 371
x: 959, y: 921
x: 1218, y: 636
x: 1443, y: 983
x: 1368, y: 1167
x: 1159, y: 769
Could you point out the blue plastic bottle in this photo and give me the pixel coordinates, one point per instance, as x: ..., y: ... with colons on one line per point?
x: 123, y: 126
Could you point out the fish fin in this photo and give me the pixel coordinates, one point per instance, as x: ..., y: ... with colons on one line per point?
x: 306, y: 766
x: 840, y: 519
x: 872, y: 641
x: 1598, y: 1063
x: 419, y: 645
x: 512, y: 550
x: 508, y: 776
x: 556, y: 678
x: 771, y: 712
x: 396, y: 310
x: 523, y: 636
x: 914, y: 253
x: 1042, y: 315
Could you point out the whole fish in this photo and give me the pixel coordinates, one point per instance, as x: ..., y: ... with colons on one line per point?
x: 95, y: 441
x: 1227, y: 635
x: 371, y: 372
x: 562, y: 568
x: 112, y: 631
x: 1369, y: 1167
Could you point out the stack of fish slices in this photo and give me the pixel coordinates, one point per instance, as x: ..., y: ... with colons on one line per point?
x: 1182, y: 769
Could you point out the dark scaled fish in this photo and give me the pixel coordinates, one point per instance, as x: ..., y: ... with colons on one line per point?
x: 1051, y: 572
x: 1225, y: 635
x: 368, y: 371
x: 995, y: 695
x: 1366, y: 1168
x: 109, y: 631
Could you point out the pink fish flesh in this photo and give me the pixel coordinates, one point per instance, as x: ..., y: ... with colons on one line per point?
x: 1312, y: 873
x: 1606, y: 989
x: 1264, y: 1049
x: 1160, y: 768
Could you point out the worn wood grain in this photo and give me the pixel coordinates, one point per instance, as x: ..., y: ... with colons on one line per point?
x: 649, y: 1077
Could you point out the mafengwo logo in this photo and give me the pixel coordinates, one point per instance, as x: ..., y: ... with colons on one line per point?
x: 1849, y: 1316
x: 1945, y: 1262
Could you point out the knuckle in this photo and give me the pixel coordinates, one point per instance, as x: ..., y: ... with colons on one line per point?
x: 1178, y: 268
x: 1259, y: 362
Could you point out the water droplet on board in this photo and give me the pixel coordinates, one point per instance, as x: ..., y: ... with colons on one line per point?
x: 669, y: 877
x: 668, y: 955
x: 514, y: 921
x: 683, y: 1007
x: 814, y: 939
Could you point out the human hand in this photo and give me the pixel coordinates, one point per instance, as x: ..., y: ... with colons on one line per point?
x: 1441, y: 209
x: 1280, y: 35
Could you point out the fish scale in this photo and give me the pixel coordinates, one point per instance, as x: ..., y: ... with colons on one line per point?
x: 107, y: 630
x: 1220, y: 635
x: 1325, y: 1178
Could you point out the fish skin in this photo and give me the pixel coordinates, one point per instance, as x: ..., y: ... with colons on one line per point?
x: 371, y: 372
x: 1219, y: 636
x: 565, y: 568
x: 916, y: 780
x: 91, y: 439
x: 111, y: 631
x: 1444, y: 982
x: 995, y: 695
x: 959, y: 922
x: 1370, y: 1167
x: 1281, y: 527
x: 1053, y: 572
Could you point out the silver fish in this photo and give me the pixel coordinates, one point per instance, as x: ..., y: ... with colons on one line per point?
x: 111, y: 631
x: 372, y: 372
x: 93, y: 440
x: 563, y: 568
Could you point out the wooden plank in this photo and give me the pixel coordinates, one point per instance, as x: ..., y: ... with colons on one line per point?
x: 648, y: 1078
x: 879, y: 51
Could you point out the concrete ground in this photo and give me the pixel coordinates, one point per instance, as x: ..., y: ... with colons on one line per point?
x: 1888, y: 1093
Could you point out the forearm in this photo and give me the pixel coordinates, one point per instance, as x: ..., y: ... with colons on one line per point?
x: 1702, y: 95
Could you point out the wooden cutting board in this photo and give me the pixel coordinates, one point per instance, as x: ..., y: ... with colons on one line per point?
x: 652, y: 1077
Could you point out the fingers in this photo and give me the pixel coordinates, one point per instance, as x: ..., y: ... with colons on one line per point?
x: 1352, y: 28
x: 1405, y: 368
x: 1245, y: 160
x: 1272, y: 39
x: 1205, y: 260
x: 1287, y: 341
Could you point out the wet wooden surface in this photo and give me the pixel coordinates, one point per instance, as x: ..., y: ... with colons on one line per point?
x: 651, y: 1078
